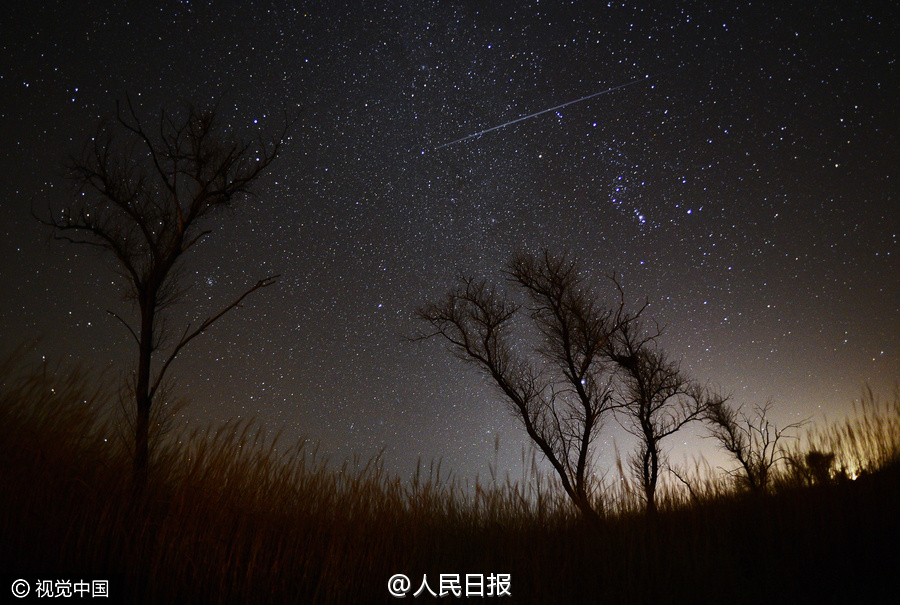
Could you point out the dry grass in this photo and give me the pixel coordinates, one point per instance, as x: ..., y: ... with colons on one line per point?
x: 865, y: 442
x: 234, y: 516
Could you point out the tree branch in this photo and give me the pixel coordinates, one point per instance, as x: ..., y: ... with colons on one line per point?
x: 188, y: 337
x: 128, y: 327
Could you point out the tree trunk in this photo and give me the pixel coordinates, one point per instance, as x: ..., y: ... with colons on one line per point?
x: 587, y: 511
x: 651, y: 474
x: 142, y: 397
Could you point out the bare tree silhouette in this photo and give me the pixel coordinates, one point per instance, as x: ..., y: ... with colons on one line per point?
x: 753, y: 440
x: 142, y: 197
x: 562, y: 391
x: 655, y: 399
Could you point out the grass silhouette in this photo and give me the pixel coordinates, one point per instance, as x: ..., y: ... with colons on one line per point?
x: 232, y: 515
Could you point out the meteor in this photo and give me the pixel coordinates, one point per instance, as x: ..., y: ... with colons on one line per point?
x: 534, y: 115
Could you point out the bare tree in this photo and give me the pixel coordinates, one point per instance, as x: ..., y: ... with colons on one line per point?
x: 142, y: 197
x: 562, y: 391
x: 655, y: 399
x: 753, y: 440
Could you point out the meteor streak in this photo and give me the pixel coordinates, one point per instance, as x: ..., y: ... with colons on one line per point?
x: 533, y: 115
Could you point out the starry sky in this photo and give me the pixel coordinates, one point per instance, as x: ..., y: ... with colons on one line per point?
x: 744, y: 182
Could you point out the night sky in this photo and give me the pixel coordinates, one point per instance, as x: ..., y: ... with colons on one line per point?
x: 744, y: 182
